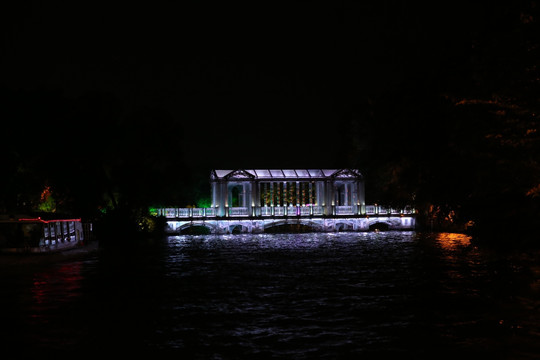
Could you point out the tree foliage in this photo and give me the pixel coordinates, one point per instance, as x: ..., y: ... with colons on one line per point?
x: 462, y: 137
x: 89, y: 152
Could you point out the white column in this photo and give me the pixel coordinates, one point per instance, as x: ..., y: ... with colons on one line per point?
x: 361, y: 193
x: 214, y: 194
x: 247, y: 197
x: 328, y: 197
x: 354, y: 198
x: 255, y: 198
x: 223, y: 198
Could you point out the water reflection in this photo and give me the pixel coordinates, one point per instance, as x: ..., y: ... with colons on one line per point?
x: 41, y: 306
x: 57, y: 285
x: 337, y: 295
x: 453, y: 241
x: 294, y: 295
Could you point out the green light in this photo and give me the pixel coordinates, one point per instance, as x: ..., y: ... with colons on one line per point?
x: 204, y: 202
x: 47, y: 202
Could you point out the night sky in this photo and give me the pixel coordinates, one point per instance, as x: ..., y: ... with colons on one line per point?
x: 264, y: 85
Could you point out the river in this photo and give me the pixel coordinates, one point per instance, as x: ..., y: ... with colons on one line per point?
x: 283, y: 296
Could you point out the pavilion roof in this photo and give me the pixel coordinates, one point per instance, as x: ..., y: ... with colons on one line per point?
x: 285, y: 174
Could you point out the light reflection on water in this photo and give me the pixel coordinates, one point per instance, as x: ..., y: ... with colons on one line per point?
x: 291, y: 294
x: 332, y: 295
x: 453, y: 241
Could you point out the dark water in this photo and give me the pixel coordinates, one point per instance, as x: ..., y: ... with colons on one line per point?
x: 292, y: 296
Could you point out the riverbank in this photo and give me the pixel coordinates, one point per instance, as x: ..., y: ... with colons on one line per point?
x: 509, y: 233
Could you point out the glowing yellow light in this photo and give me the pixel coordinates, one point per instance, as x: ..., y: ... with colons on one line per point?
x: 453, y: 241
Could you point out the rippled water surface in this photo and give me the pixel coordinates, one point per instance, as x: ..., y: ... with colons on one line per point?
x: 291, y: 296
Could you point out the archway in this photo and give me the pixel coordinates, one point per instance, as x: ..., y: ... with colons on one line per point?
x: 379, y: 226
x: 344, y: 226
x: 195, y: 230
x: 237, y: 229
x: 291, y: 227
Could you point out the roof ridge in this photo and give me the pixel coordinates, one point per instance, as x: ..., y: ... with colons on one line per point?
x: 283, y: 174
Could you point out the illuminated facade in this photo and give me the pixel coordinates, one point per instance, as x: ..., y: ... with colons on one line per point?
x: 287, y: 192
x: 254, y: 201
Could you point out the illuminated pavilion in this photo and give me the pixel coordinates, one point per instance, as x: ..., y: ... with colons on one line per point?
x: 263, y: 192
x: 253, y: 201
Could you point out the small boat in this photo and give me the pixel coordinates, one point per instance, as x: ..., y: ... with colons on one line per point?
x: 34, y: 235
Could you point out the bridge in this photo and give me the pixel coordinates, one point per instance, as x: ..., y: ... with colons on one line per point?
x: 255, y: 201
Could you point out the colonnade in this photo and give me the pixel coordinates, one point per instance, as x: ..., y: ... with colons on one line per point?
x: 253, y: 195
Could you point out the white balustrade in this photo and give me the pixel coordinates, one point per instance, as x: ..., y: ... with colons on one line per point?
x: 197, y: 212
x: 344, y: 210
x: 312, y: 210
x: 183, y: 212
x: 291, y: 211
x: 238, y: 211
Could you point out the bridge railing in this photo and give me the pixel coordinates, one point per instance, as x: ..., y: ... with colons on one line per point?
x: 344, y: 210
x: 197, y: 212
x: 238, y: 211
x: 316, y: 210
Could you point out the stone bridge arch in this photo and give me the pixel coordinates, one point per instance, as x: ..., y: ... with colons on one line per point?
x: 233, y: 226
x: 345, y: 225
x: 236, y: 227
x: 383, y: 223
x: 185, y: 226
x: 307, y: 223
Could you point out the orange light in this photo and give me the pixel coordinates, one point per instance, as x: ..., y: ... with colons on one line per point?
x: 453, y: 241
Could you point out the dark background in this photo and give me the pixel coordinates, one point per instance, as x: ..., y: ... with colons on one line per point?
x: 130, y: 105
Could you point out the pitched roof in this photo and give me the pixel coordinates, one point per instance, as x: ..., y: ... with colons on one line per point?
x: 283, y: 174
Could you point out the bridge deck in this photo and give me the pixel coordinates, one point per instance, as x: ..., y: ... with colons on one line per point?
x: 258, y: 224
x: 291, y: 211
